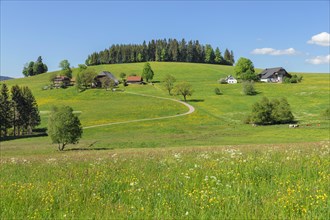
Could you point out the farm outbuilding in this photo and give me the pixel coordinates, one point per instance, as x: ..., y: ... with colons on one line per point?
x: 134, y: 80
x: 102, y: 75
x: 60, y: 81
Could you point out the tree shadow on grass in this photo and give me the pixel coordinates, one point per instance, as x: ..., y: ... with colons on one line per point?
x: 195, y: 100
x: 89, y: 148
x: 40, y: 132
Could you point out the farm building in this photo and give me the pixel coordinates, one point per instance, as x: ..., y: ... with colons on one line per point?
x: 274, y: 75
x: 102, y: 75
x: 60, y: 81
x: 134, y: 80
x: 231, y: 80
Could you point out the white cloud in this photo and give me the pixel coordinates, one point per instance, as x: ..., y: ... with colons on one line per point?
x: 322, y: 39
x: 319, y: 60
x: 274, y: 52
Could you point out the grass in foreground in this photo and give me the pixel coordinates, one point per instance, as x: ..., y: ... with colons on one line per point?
x: 283, y: 181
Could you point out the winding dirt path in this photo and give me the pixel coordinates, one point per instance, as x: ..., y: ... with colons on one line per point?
x: 190, y: 107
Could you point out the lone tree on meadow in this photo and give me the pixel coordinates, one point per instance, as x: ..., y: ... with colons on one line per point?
x: 64, y: 127
x: 169, y: 81
x: 184, y: 89
x: 147, y: 73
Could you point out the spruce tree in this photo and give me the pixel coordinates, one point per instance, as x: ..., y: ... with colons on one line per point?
x: 31, y: 117
x: 5, y: 111
x: 226, y: 56
x: 218, y: 58
x: 17, y: 104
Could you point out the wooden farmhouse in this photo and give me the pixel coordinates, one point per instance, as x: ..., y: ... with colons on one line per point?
x: 274, y: 75
x: 60, y: 81
x: 105, y: 74
x: 134, y: 80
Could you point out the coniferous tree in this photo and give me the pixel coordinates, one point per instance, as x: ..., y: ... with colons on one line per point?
x: 5, y: 111
x: 232, y: 59
x: 190, y: 52
x: 209, y: 54
x: 218, y: 58
x: 157, y: 50
x: 17, y: 104
x: 30, y: 116
x: 227, y: 57
x: 183, y: 50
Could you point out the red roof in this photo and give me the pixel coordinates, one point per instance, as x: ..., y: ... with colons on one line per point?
x: 134, y: 78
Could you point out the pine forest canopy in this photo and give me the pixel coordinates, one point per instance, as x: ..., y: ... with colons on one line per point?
x: 170, y: 50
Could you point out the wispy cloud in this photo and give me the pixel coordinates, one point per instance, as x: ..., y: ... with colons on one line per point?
x: 322, y: 39
x: 274, y: 52
x: 319, y: 60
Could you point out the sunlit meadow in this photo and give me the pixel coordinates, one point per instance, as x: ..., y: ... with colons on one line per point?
x: 271, y: 181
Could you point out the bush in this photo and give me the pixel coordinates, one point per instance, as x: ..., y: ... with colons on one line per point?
x: 268, y: 112
x: 249, y: 76
x: 223, y: 81
x: 248, y: 88
x: 217, y: 91
x: 326, y: 114
x: 293, y: 79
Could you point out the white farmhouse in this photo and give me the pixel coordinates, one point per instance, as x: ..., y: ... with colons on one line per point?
x: 231, y: 80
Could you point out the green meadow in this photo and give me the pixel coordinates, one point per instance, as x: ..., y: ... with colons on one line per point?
x: 218, y: 119
x: 205, y: 165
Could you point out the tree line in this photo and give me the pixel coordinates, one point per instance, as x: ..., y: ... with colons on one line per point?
x: 170, y: 50
x: 18, y: 110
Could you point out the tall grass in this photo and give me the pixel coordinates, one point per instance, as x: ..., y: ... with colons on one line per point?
x: 290, y: 181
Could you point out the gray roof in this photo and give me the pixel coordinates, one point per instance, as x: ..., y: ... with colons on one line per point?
x: 266, y: 73
x: 108, y: 74
x: 230, y: 77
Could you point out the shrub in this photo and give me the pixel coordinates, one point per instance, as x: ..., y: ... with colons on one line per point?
x: 248, y: 88
x: 293, y: 79
x: 217, y: 91
x: 326, y: 114
x: 223, y: 81
x: 268, y: 112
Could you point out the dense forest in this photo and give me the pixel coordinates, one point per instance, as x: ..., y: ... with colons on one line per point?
x: 170, y: 50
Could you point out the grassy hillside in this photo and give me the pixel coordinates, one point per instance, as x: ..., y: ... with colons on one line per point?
x: 217, y: 120
x: 206, y: 165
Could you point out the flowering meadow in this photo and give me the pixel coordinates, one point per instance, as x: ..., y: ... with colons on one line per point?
x: 229, y: 182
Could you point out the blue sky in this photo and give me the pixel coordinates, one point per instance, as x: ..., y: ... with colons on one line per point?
x: 291, y: 34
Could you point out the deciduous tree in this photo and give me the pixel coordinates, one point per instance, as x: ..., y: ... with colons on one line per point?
x: 242, y: 66
x: 169, y: 81
x: 184, y: 89
x: 64, y: 127
x: 85, y: 79
x: 147, y: 73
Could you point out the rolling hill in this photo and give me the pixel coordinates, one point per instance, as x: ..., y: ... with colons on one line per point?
x: 216, y: 121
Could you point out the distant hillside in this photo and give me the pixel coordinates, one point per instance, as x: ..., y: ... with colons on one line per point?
x: 3, y: 78
x: 218, y: 119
